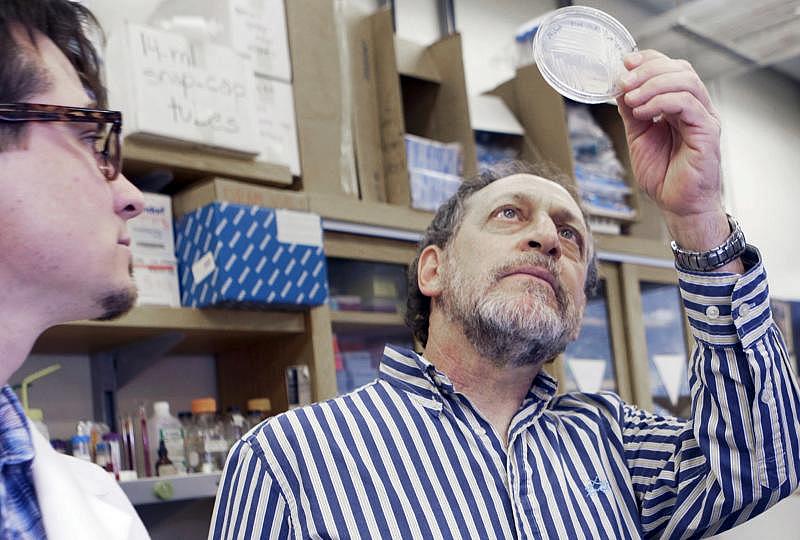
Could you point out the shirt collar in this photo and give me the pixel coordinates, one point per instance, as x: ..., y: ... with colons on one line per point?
x: 16, y: 445
x: 403, y: 368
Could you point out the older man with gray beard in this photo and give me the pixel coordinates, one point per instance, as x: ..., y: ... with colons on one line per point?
x: 470, y: 440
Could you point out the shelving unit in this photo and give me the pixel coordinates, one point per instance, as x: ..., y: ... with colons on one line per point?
x: 188, y: 164
x: 368, y: 322
x: 207, y: 330
x: 172, y: 488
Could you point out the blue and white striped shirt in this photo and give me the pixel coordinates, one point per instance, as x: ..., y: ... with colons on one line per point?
x: 408, y: 456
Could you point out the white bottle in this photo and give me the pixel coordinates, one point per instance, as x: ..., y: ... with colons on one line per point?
x: 162, y: 425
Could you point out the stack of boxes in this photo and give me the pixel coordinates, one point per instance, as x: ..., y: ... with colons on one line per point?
x: 434, y: 169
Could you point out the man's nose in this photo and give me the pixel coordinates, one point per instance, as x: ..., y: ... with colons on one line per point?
x: 542, y: 236
x: 128, y: 200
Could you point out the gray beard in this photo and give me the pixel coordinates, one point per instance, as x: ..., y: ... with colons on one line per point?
x: 511, y: 332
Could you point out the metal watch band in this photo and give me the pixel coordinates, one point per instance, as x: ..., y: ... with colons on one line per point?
x: 705, y: 261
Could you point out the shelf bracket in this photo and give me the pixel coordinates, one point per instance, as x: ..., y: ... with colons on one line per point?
x: 113, y: 369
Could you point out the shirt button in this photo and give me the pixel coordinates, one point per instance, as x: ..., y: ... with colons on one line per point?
x: 766, y: 393
x: 712, y: 312
x: 744, y: 310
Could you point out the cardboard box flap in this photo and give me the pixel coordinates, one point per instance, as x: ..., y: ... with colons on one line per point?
x: 490, y: 113
x: 366, y: 111
x: 217, y: 189
x: 415, y: 60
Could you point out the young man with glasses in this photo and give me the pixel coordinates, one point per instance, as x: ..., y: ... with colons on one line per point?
x: 64, y: 253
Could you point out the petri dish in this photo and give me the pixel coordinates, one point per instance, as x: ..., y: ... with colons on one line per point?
x: 579, y: 51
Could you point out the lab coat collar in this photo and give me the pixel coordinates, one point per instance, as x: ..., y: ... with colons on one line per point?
x: 74, y: 497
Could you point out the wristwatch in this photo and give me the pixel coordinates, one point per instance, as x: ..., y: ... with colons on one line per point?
x: 705, y: 261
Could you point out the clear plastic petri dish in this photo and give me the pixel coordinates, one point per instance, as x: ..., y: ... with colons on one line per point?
x: 579, y: 51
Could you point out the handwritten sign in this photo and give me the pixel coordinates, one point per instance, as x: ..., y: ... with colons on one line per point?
x: 200, y: 94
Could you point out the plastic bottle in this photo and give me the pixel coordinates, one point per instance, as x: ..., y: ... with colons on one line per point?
x: 80, y: 447
x: 163, y: 426
x: 206, y: 447
x: 233, y: 426
x: 36, y: 416
x: 258, y: 410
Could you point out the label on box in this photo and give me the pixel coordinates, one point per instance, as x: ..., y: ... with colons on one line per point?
x: 204, y: 267
x: 298, y: 228
x: 156, y: 281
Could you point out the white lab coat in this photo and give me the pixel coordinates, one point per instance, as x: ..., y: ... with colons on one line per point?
x: 79, y: 499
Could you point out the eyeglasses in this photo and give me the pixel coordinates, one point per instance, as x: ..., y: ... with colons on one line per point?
x: 106, y: 141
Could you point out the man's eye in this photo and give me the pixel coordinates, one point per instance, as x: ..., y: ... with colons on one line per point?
x: 92, y: 140
x: 568, y: 233
x: 508, y: 213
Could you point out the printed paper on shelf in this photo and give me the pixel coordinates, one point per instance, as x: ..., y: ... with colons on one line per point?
x: 588, y: 373
x: 276, y: 125
x: 672, y: 370
x: 298, y: 228
x: 204, y: 267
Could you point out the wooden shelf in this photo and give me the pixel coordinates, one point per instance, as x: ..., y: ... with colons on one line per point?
x: 368, y: 322
x: 391, y: 216
x: 189, y: 164
x: 175, y: 488
x: 207, y: 330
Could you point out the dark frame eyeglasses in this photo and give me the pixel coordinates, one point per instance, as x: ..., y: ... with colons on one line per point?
x: 107, y: 148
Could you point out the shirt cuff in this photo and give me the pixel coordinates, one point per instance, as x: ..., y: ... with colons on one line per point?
x: 725, y: 308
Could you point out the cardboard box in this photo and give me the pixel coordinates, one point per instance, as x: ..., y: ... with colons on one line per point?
x: 434, y: 101
x: 250, y: 256
x: 277, y: 129
x: 493, y: 124
x: 156, y: 281
x: 256, y: 29
x: 151, y: 232
x: 321, y: 124
x: 366, y: 126
x: 171, y: 90
x: 217, y: 189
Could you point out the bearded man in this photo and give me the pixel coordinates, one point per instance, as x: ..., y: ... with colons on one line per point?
x: 470, y: 440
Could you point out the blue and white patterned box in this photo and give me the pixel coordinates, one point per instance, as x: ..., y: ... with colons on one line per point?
x: 430, y: 155
x: 250, y: 256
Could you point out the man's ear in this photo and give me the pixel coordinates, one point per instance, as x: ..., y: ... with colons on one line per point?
x: 429, y: 271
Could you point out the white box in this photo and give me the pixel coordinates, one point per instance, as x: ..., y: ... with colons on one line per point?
x: 255, y: 29
x: 157, y: 281
x: 170, y: 89
x: 277, y: 128
x: 152, y: 233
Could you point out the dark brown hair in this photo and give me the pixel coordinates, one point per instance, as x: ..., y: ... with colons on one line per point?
x: 449, y: 217
x: 68, y: 24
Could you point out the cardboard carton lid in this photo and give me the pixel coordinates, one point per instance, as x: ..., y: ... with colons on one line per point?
x: 415, y: 60
x: 217, y: 189
x: 489, y: 113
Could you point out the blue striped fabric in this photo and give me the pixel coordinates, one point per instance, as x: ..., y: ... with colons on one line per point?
x: 20, y: 517
x: 407, y: 456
